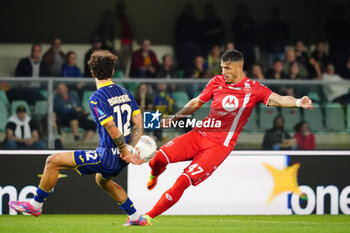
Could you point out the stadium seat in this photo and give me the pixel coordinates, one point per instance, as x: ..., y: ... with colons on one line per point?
x: 266, y: 116
x: 252, y: 124
x: 131, y: 87
x: 3, y: 116
x: 43, y: 93
x: 4, y: 99
x: 121, y: 84
x: 181, y: 98
x: 85, y: 102
x: 315, y: 118
x: 314, y: 96
x: 292, y: 116
x: 335, y: 117
x: 16, y: 103
x: 41, y: 108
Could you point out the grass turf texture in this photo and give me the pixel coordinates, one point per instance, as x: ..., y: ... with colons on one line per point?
x: 182, y: 224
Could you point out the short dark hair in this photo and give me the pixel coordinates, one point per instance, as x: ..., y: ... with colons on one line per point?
x: 166, y: 55
x: 277, y: 60
x: 232, y: 56
x: 55, y: 38
x: 102, y: 63
x: 35, y: 45
x: 70, y: 53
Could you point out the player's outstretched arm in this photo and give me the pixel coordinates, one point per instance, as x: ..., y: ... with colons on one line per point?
x: 290, y: 102
x: 137, y: 130
x: 118, y: 139
x: 192, y: 106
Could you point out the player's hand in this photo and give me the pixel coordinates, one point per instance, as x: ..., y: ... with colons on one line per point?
x: 135, y: 159
x: 165, y: 123
x: 131, y: 158
x: 306, y: 103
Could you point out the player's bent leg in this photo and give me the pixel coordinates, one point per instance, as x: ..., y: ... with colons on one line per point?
x: 205, y: 163
x: 119, y: 195
x: 113, y: 189
x: 171, y: 153
x: 170, y: 197
x: 158, y: 165
x: 53, y: 164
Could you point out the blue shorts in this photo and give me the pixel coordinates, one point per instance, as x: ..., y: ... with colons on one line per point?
x: 89, y: 162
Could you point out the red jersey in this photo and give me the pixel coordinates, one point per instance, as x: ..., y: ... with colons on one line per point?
x: 232, y: 105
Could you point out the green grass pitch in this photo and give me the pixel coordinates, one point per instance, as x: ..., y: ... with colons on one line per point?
x: 179, y: 224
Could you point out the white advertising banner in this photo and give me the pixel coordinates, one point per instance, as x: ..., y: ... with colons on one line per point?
x: 241, y: 185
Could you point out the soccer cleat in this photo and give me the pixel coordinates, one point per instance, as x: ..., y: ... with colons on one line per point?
x: 152, y: 182
x: 142, y: 221
x: 25, y: 207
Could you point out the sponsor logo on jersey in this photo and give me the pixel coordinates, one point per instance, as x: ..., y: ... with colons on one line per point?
x: 99, y: 113
x: 93, y: 102
x: 230, y: 103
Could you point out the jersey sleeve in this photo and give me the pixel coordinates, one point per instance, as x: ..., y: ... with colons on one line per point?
x: 264, y: 94
x: 100, y: 110
x: 135, y: 108
x: 207, y: 93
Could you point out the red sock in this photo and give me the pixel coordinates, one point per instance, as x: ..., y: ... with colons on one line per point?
x: 170, y: 197
x: 158, y: 164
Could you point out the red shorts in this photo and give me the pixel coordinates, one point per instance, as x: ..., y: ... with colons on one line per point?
x: 206, y: 155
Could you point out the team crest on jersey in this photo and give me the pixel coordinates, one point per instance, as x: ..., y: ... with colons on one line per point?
x: 230, y: 103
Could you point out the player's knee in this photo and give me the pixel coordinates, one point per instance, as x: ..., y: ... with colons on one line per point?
x: 51, y: 161
x: 100, y: 181
x: 159, y: 160
x: 185, y: 180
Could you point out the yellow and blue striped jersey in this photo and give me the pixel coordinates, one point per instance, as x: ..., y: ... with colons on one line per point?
x: 112, y: 103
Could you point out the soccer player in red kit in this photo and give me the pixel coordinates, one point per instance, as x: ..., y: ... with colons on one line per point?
x: 234, y: 97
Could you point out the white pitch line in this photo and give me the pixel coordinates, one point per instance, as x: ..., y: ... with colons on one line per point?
x: 266, y: 221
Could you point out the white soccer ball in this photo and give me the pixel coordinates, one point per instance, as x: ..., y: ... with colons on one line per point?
x: 146, y: 148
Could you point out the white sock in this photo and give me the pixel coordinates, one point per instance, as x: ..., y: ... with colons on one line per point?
x: 134, y: 216
x: 36, y: 204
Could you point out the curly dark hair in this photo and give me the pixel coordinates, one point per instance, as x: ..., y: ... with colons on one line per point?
x: 102, y: 63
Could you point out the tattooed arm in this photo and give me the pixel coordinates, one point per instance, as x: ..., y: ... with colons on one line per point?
x: 118, y: 139
x: 137, y: 131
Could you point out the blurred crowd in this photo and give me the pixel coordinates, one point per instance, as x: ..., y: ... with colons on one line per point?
x: 270, y: 52
x: 198, y: 45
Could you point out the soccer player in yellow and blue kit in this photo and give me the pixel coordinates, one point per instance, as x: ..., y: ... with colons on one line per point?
x: 119, y: 122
